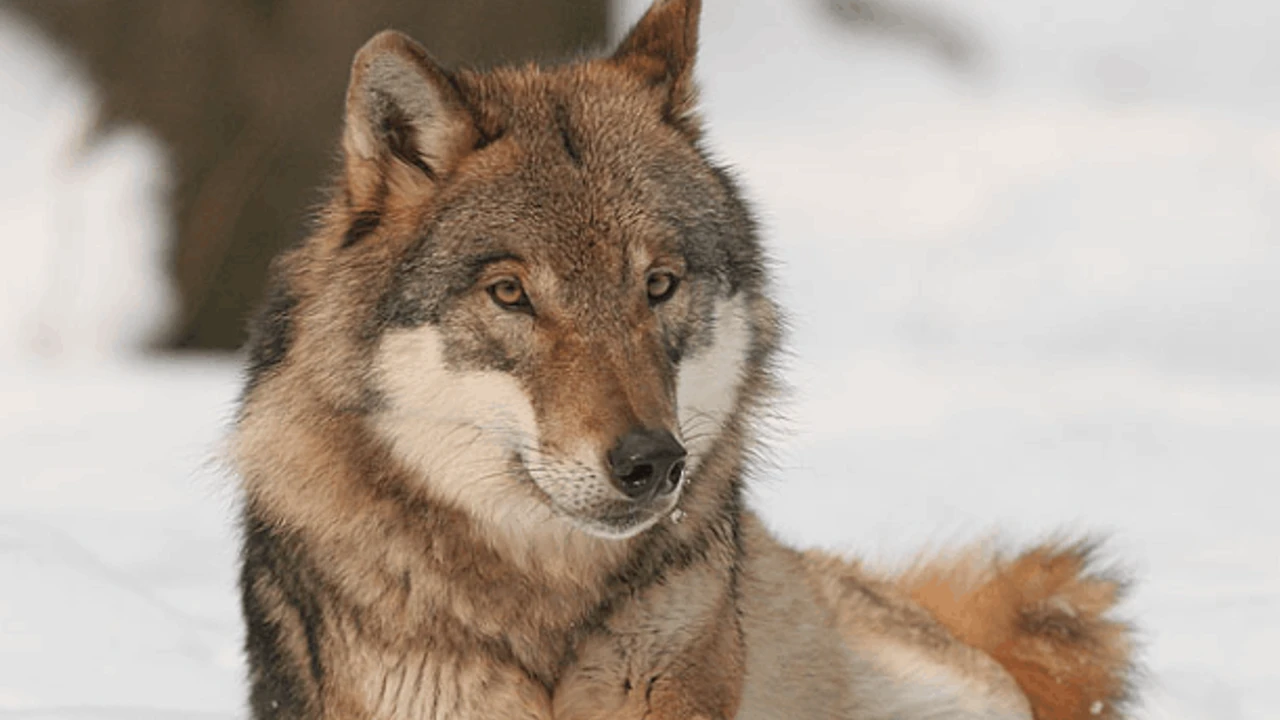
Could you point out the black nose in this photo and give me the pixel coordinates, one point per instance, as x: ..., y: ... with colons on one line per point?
x: 647, y: 463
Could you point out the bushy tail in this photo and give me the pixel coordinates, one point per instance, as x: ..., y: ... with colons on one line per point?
x: 1044, y: 616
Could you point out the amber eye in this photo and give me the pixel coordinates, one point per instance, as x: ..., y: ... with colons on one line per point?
x: 661, y: 286
x: 509, y: 294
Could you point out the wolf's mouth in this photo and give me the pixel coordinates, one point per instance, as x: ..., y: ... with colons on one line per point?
x: 605, y: 517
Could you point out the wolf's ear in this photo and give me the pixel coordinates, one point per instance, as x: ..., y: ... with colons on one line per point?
x: 661, y: 48
x: 405, y: 121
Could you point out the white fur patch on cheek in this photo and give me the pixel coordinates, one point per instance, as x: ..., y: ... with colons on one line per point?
x: 459, y: 429
x: 708, y: 382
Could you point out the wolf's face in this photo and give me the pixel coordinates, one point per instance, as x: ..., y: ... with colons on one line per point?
x: 566, y: 340
x: 568, y: 310
x: 566, y: 323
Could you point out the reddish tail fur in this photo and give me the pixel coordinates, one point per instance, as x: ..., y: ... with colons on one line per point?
x: 1044, y: 616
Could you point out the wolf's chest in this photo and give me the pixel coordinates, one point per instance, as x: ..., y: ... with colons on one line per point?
x: 423, y: 684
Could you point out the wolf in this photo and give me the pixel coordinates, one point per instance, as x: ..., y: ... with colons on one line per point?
x: 499, y: 413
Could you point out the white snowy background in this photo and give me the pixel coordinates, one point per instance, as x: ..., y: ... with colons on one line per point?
x: 1037, y: 294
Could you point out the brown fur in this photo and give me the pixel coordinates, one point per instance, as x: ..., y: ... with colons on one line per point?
x: 400, y: 562
x: 1044, y: 615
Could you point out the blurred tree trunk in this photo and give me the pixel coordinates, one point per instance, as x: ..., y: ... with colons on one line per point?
x: 247, y: 96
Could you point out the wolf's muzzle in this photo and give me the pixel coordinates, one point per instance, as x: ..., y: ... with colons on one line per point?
x: 645, y: 464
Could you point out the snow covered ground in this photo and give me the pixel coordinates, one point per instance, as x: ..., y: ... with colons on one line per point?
x: 1037, y: 294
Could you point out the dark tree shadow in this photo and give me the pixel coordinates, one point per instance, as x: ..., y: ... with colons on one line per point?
x: 246, y: 95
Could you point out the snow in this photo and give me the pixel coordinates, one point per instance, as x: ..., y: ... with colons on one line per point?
x: 115, y: 547
x: 1037, y: 294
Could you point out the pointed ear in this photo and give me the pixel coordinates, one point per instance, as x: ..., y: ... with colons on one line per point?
x: 661, y: 48
x: 405, y: 121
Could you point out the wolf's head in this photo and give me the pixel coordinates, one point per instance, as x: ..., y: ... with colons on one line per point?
x: 532, y: 288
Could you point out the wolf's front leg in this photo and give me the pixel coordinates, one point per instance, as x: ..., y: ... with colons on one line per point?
x: 676, y: 653
x: 703, y: 683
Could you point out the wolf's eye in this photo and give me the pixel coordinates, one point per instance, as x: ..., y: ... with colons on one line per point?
x: 661, y: 286
x: 509, y: 294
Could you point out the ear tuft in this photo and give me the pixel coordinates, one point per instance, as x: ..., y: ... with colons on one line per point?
x: 402, y: 107
x: 662, y: 48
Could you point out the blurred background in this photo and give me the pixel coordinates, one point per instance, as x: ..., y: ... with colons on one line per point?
x: 1029, y: 248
